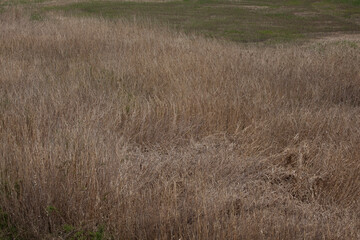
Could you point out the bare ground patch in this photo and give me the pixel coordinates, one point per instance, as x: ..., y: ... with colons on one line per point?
x: 306, y: 14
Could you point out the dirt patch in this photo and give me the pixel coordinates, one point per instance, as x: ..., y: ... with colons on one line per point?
x: 253, y: 7
x: 305, y: 14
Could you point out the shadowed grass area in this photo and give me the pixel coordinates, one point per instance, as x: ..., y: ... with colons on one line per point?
x: 7, y: 230
x: 249, y: 21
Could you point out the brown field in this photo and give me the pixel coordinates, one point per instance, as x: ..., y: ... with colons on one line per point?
x: 118, y: 130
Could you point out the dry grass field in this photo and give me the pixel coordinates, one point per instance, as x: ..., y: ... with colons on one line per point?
x: 112, y: 129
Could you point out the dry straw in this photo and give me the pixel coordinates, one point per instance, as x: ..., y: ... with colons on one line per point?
x: 157, y: 135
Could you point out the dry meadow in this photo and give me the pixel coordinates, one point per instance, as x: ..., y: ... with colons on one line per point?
x: 111, y: 129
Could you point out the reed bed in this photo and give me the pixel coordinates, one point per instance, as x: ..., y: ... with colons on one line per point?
x: 121, y: 130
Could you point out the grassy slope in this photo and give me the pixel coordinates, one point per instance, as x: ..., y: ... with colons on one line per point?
x: 243, y: 21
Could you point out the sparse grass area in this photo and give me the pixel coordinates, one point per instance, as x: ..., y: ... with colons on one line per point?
x: 117, y: 129
x: 241, y: 21
x: 20, y: 2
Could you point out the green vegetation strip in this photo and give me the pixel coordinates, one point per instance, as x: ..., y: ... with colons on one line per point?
x: 240, y: 21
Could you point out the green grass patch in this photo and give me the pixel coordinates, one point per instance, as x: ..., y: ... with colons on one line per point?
x: 77, y: 234
x: 254, y: 21
x: 36, y: 16
x: 22, y: 2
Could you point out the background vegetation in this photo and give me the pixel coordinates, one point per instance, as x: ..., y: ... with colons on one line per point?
x: 240, y: 21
